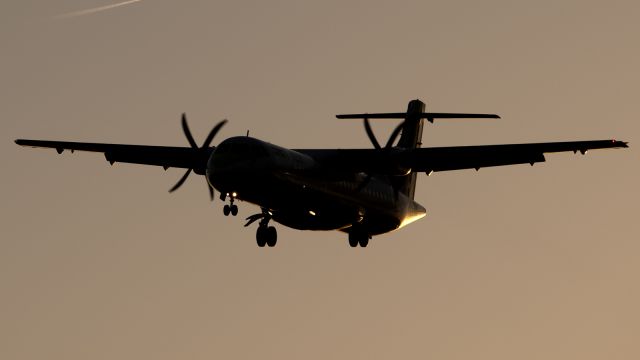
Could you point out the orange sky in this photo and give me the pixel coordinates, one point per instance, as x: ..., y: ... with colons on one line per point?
x: 100, y: 262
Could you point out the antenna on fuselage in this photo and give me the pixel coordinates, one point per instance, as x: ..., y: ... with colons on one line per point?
x: 247, y: 133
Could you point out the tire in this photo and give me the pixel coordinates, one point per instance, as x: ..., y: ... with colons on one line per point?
x: 261, y: 237
x: 353, y: 240
x: 271, y: 236
x: 226, y: 210
x: 234, y: 210
x: 364, y: 240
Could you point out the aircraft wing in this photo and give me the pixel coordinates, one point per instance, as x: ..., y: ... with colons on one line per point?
x: 381, y: 161
x: 476, y: 157
x: 397, y: 161
x: 165, y: 156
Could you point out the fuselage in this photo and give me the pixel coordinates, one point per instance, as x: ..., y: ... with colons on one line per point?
x: 299, y: 192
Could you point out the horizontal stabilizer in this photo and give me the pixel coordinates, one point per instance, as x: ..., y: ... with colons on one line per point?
x: 428, y: 116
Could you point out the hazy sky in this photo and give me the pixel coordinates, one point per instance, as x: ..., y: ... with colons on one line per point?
x: 100, y: 262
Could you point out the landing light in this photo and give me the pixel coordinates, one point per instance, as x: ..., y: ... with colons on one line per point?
x: 234, y: 194
x: 312, y: 213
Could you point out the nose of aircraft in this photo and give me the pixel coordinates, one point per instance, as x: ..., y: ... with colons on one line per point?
x: 231, y: 156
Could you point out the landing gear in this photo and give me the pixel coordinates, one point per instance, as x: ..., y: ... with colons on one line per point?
x: 353, y: 241
x: 231, y: 208
x: 358, y: 237
x: 261, y: 236
x: 265, y: 235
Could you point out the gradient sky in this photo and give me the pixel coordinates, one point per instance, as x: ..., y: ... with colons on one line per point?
x: 100, y: 262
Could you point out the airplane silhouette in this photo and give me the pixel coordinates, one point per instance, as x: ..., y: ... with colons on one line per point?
x: 362, y: 192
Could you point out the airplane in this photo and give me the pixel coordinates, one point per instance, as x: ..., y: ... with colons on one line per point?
x: 361, y: 192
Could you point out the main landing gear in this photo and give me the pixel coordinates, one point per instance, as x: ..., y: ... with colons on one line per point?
x: 231, y: 208
x: 265, y: 235
x: 358, y: 237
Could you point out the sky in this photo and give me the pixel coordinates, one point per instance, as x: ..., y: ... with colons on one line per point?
x: 101, y: 262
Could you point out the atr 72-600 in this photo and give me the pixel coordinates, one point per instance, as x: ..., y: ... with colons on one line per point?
x: 362, y: 192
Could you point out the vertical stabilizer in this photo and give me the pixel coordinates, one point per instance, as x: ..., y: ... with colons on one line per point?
x: 411, y: 138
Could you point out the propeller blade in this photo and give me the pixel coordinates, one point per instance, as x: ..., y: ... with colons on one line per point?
x: 187, y: 132
x: 370, y: 134
x: 211, y: 192
x: 181, y: 181
x: 394, y: 135
x: 213, y: 133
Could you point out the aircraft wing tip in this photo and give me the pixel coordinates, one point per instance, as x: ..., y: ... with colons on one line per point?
x: 623, y: 144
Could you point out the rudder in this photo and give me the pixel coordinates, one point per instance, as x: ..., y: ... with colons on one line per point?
x: 411, y: 138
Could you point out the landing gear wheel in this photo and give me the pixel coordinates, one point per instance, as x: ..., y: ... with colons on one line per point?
x: 353, y: 240
x: 230, y: 208
x: 265, y: 235
x: 272, y: 236
x: 358, y: 237
x: 261, y: 236
x: 364, y: 240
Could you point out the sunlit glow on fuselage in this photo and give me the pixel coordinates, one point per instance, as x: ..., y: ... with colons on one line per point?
x: 411, y: 218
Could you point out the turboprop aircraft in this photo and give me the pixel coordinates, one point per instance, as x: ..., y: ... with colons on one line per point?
x: 362, y: 192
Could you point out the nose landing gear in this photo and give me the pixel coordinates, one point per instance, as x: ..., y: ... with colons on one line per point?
x: 231, y: 208
x: 265, y: 235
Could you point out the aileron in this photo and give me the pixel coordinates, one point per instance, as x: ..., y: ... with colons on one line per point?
x: 474, y: 157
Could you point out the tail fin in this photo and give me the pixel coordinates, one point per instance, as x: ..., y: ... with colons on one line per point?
x: 411, y: 138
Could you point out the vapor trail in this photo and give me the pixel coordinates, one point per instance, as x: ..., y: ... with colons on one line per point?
x: 95, y: 10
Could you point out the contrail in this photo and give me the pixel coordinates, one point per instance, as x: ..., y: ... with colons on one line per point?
x: 95, y: 10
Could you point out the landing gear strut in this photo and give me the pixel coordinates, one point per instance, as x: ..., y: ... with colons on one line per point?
x: 231, y: 208
x: 265, y: 235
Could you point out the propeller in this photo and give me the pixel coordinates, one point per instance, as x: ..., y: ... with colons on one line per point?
x: 204, y: 147
x: 374, y: 141
x: 376, y: 144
